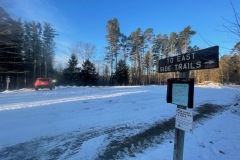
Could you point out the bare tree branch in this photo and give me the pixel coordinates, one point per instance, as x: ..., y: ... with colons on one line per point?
x: 236, y: 15
x: 234, y: 27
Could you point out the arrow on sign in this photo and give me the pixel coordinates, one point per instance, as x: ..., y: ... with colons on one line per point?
x: 210, y: 62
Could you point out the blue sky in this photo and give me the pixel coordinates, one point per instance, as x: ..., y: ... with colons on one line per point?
x: 85, y: 20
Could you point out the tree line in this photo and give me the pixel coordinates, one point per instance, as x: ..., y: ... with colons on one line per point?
x: 28, y: 46
x: 128, y: 60
x: 77, y: 76
x: 141, y: 50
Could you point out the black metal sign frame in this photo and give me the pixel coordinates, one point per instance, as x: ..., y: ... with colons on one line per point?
x: 189, y: 82
x: 202, y: 59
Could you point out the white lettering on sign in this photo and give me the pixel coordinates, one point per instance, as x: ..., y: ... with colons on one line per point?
x: 184, y: 120
x: 191, y: 66
x: 201, y: 59
x: 182, y: 58
x: 183, y: 63
x: 170, y: 60
x: 165, y: 69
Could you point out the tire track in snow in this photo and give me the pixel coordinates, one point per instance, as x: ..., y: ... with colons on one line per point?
x: 162, y: 130
x: 63, y: 146
x: 62, y: 100
x: 117, y: 143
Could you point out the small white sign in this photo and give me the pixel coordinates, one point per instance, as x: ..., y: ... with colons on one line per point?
x: 184, y: 120
x: 180, y: 94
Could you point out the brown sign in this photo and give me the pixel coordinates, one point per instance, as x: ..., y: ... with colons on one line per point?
x: 202, y: 59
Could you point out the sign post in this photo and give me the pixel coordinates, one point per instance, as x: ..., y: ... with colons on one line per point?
x: 179, y: 134
x: 181, y: 93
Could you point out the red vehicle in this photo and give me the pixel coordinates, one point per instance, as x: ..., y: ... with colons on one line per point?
x: 43, y: 83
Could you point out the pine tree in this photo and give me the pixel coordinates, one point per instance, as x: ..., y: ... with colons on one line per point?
x: 173, y: 40
x: 89, y: 74
x: 48, y: 48
x: 71, y: 75
x: 72, y: 63
x: 122, y: 73
x: 148, y: 64
x: 156, y: 49
x: 185, y: 38
x: 124, y: 45
x: 137, y: 45
x: 113, y: 34
x: 165, y: 46
x: 36, y: 45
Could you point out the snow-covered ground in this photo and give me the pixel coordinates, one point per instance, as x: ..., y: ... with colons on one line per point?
x: 80, y: 122
x: 217, y: 138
